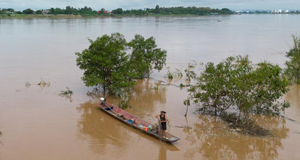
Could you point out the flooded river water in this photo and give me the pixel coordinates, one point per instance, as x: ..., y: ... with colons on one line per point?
x: 36, y: 123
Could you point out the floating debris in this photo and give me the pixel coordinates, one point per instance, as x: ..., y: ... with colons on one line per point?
x: 297, y: 132
x: 27, y: 84
x: 42, y: 83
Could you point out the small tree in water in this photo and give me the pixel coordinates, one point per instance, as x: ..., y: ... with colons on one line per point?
x: 238, y: 83
x: 293, y: 64
x: 107, y: 63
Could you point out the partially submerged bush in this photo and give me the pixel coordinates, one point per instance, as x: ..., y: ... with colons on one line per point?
x: 178, y: 73
x: 42, y: 83
x: 237, y: 82
x: 27, y: 84
x: 169, y: 75
x: 292, y: 72
x: 68, y: 92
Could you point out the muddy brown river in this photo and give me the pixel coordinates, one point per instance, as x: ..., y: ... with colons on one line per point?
x: 38, y: 124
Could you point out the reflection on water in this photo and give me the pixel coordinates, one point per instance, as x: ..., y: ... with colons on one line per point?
x: 213, y: 138
x: 100, y: 127
x: 144, y: 96
x: 162, y: 153
x: 104, y: 130
x: 293, y: 96
x: 208, y: 136
x: 106, y: 133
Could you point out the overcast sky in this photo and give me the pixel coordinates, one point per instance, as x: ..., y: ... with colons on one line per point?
x: 140, y: 4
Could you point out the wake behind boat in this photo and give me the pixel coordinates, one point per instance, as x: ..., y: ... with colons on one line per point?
x: 136, y: 122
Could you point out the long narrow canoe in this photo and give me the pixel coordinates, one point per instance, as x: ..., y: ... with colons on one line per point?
x: 136, y: 122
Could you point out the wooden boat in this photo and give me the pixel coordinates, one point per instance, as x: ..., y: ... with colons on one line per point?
x: 136, y: 122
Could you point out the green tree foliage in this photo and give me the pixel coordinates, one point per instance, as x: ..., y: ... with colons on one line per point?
x: 238, y: 83
x: 179, y: 10
x: 69, y: 10
x: 10, y: 10
x: 156, y: 10
x: 189, y: 73
x: 28, y: 11
x: 88, y: 11
x: 108, y: 63
x: 58, y: 11
x: 5, y: 10
x: 39, y: 12
x: 292, y: 71
x: 51, y: 11
x: 117, y: 11
x: 146, y: 56
x: 225, y: 11
x: 102, y: 11
x: 103, y: 62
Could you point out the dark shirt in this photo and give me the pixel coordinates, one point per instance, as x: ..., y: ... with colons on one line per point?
x: 162, y: 118
x: 163, y: 124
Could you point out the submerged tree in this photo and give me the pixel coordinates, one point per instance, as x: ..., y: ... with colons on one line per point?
x: 146, y: 56
x: 292, y: 71
x: 238, y: 83
x: 108, y: 63
x: 103, y: 61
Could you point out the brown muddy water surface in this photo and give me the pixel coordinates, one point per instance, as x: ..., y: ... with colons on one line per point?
x: 39, y: 124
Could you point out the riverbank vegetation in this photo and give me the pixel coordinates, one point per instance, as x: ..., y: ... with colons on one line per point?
x: 71, y: 12
x: 113, y: 64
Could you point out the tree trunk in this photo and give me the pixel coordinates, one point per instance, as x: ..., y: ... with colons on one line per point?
x: 215, y: 105
x: 104, y: 86
x: 187, y: 108
x: 215, y: 111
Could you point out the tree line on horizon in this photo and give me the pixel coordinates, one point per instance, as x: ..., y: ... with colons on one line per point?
x: 119, y: 11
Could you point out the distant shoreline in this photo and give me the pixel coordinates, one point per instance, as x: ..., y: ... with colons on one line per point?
x: 61, y: 16
x: 30, y: 16
x: 25, y: 16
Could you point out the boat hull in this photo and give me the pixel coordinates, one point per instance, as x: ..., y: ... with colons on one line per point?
x: 127, y: 118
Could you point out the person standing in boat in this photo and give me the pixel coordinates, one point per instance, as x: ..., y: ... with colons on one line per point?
x: 162, y: 118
